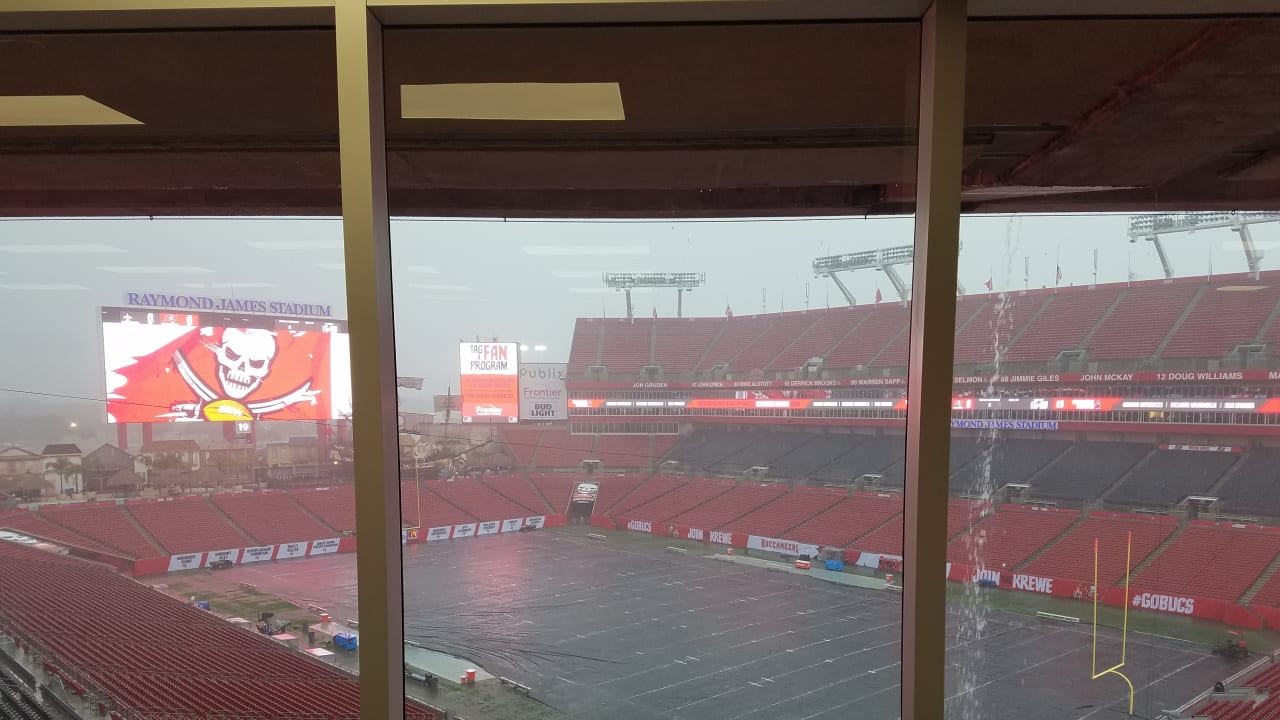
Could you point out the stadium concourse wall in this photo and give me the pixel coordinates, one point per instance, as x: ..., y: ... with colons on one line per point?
x: 330, y: 546
x: 486, y: 527
x: 244, y: 556
x: 1254, y: 618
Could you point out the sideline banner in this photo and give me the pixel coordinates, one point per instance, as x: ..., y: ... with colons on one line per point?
x: 257, y: 554
x: 464, y: 531
x: 215, y: 555
x: 439, y: 533
x: 324, y: 547
x: 537, y: 521
x: 189, y: 561
x: 291, y: 550
x: 512, y: 525
x: 488, y: 528
x: 790, y: 547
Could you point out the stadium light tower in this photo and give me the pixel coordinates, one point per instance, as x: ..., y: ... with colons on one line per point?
x: 1151, y: 227
x: 681, y: 282
x: 884, y: 260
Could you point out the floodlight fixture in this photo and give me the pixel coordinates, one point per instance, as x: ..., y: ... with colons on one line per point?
x: 884, y: 259
x: 1151, y: 227
x: 681, y: 282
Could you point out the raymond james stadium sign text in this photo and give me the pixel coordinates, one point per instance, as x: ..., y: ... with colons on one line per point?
x: 170, y: 301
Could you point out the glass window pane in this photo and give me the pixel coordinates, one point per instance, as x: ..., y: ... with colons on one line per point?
x: 1112, y: 522
x: 176, y: 515
x: 655, y: 346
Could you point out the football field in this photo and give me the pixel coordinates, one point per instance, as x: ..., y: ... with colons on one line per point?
x: 623, y: 630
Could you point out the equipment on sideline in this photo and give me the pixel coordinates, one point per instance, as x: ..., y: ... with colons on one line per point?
x: 1234, y: 646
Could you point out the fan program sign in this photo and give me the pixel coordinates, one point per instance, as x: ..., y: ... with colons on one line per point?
x: 490, y: 377
x: 186, y: 366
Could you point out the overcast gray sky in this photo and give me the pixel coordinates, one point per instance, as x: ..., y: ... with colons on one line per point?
x: 519, y: 280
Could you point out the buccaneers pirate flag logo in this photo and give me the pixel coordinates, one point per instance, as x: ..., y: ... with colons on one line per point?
x: 225, y: 374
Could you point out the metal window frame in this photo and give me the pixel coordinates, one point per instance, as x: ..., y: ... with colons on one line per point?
x: 358, y: 28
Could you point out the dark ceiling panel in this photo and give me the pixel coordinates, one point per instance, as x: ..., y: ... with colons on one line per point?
x: 721, y: 120
x: 676, y: 79
x: 184, y: 86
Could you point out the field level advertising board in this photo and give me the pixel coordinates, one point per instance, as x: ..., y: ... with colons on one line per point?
x: 489, y: 381
x: 189, y: 367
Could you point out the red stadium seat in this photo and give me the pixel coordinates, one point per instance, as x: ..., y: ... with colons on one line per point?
x: 335, y: 505
x: 1009, y: 536
x: 272, y: 518
x: 188, y: 525
x: 148, y: 653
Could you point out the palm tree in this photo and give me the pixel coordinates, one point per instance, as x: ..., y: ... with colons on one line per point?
x: 65, y: 469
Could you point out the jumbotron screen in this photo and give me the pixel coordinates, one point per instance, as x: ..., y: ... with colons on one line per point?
x: 185, y: 367
x: 490, y: 378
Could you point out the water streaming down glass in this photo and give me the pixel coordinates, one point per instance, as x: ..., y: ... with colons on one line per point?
x: 970, y: 624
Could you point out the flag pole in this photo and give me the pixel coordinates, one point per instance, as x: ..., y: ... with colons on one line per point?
x: 1057, y: 268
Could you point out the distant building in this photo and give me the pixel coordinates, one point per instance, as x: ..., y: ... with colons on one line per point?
x: 171, y: 454
x: 97, y: 468
x: 22, y: 473
x: 16, y: 461
x: 62, y: 466
x: 299, y: 457
x: 235, y: 462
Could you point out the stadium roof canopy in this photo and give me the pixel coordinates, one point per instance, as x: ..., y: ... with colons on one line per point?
x: 792, y: 107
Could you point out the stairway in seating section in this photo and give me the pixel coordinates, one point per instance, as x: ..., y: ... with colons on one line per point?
x: 888, y: 520
x: 307, y: 511
x: 1035, y: 315
x: 811, y: 516
x: 432, y: 495
x: 741, y: 515
x: 1265, y: 330
x: 525, y: 476
x: 904, y: 330
x: 1241, y: 461
x: 711, y: 344
x: 234, y: 526
x: 599, y: 345
x: 537, y: 445
x: 976, y: 518
x: 1056, y: 539
x: 1177, y: 324
x: 853, y: 328
x: 1129, y: 473
x: 1260, y: 582
x: 733, y: 361
x: 1102, y: 319
x: 520, y: 491
x: 160, y: 551
x: 1173, y: 537
x: 1031, y: 479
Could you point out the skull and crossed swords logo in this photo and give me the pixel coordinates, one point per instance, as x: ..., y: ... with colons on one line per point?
x: 244, y: 361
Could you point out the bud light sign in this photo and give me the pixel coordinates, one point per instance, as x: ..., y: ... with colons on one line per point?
x: 542, y: 391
